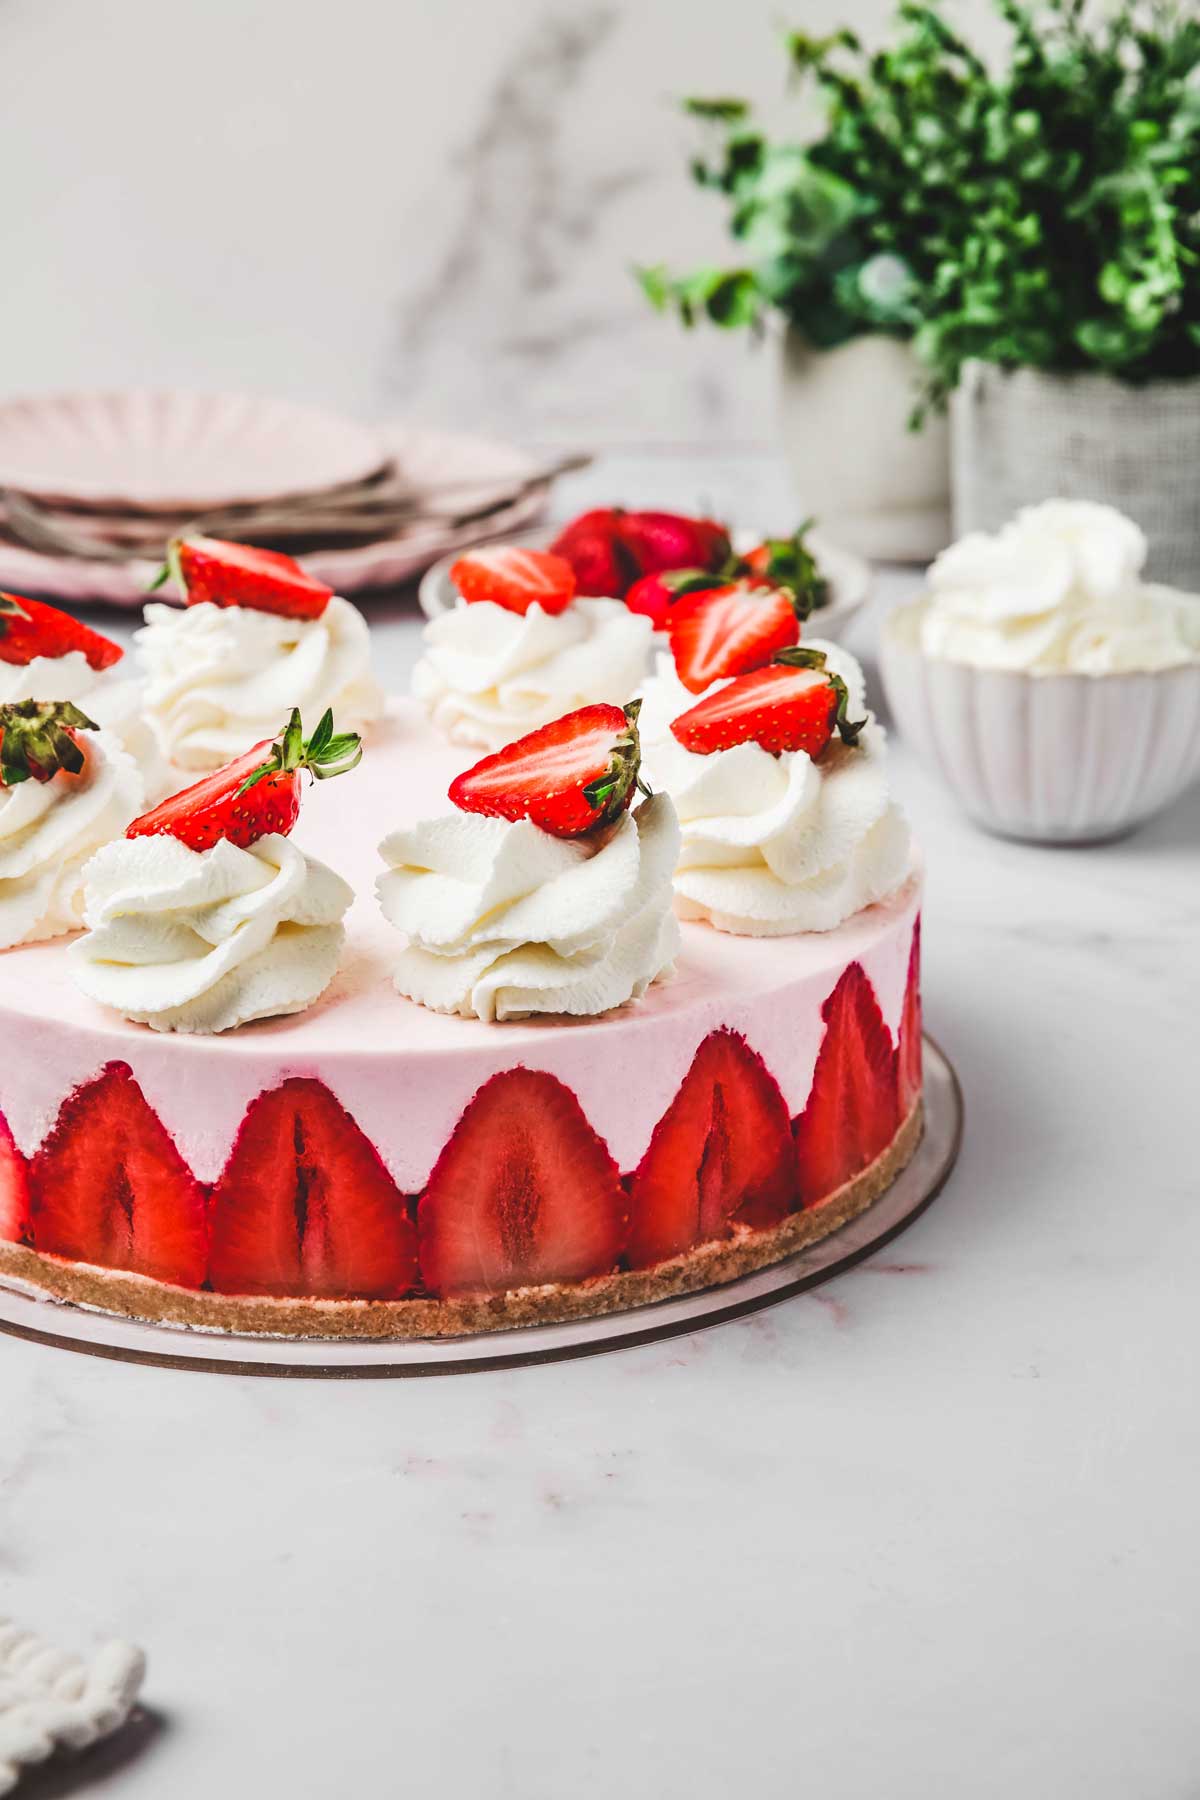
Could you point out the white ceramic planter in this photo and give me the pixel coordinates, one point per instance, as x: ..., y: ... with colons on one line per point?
x: 1019, y: 436
x: 1055, y: 759
x: 872, y: 484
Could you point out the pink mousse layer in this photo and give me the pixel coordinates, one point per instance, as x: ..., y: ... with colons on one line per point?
x: 406, y: 1073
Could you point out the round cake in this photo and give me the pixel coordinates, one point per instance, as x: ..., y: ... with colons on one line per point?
x: 274, y: 1179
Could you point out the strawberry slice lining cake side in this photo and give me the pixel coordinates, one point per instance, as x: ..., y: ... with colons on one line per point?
x: 576, y: 1102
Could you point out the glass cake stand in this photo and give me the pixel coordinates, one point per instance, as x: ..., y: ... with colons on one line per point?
x: 68, y: 1327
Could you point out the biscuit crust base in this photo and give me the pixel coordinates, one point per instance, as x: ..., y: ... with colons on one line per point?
x: 708, y: 1265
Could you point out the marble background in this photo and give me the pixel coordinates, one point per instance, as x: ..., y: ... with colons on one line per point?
x: 409, y: 207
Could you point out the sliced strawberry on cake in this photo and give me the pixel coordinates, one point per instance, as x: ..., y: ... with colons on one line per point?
x: 908, y: 1052
x: 31, y: 629
x: 568, y: 777
x: 852, y: 1112
x: 795, y: 703
x: 108, y: 1186
x: 524, y: 1194
x: 720, y: 1158
x: 516, y: 578
x: 256, y: 795
x: 219, y: 573
x: 14, y: 1189
x: 305, y: 1206
x: 727, y: 630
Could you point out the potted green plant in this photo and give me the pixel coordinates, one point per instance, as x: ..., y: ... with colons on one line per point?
x: 839, y: 239
x: 1025, y: 232
x: 1066, y: 326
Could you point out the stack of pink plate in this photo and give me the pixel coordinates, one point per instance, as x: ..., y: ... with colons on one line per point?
x: 93, y: 484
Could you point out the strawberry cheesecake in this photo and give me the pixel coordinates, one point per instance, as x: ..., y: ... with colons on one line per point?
x: 466, y: 1045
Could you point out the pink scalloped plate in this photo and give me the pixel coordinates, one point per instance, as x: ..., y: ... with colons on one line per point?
x: 478, y: 471
x: 170, y: 450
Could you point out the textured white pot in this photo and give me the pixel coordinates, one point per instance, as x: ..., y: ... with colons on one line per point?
x: 1020, y: 435
x: 1053, y: 759
x: 872, y: 484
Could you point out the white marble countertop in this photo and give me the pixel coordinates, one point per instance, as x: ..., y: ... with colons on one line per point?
x: 930, y: 1529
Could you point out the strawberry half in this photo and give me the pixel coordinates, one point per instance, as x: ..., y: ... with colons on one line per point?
x: 655, y: 595
x: 795, y: 703
x: 659, y: 541
x: 853, y: 1111
x: 108, y: 1186
x: 14, y: 1189
x: 216, y: 572
x: 524, y: 1193
x: 39, y: 739
x: 304, y: 1205
x: 788, y: 562
x: 727, y: 630
x: 515, y: 578
x: 568, y: 777
x: 256, y: 795
x: 30, y: 628
x: 721, y: 1156
x: 908, y: 1055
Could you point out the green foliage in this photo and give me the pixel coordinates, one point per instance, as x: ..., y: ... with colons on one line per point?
x: 1042, y: 212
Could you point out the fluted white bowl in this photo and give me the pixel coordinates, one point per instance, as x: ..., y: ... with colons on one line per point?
x: 1052, y: 759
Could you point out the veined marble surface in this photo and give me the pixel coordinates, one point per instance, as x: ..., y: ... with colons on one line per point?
x: 929, y: 1530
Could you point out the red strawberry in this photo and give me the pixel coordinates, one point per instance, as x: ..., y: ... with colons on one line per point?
x: 14, y: 1190
x: 592, y: 545
x: 108, y: 1186
x: 257, y: 794
x: 39, y: 739
x: 908, y: 1056
x: 721, y: 1156
x: 305, y: 1206
x: 655, y: 595
x: 660, y: 540
x: 727, y: 630
x: 515, y: 578
x: 225, y: 574
x: 524, y: 1193
x: 852, y: 1113
x: 795, y: 703
x: 30, y: 628
x: 788, y: 562
x: 569, y: 777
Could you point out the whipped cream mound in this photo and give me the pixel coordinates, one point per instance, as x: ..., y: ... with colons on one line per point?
x: 206, y: 940
x: 109, y: 696
x: 771, y: 845
x: 221, y: 678
x: 50, y: 829
x: 489, y: 675
x: 1058, y: 590
x: 503, y: 920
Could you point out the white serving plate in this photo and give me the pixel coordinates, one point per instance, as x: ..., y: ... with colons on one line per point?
x: 478, y: 469
x: 849, y: 578
x: 170, y: 450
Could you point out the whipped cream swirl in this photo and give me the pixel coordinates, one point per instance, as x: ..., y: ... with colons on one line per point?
x: 50, y: 829
x: 504, y: 920
x: 221, y: 678
x: 110, y: 697
x: 489, y: 675
x: 772, y: 845
x: 1058, y: 590
x: 203, y: 941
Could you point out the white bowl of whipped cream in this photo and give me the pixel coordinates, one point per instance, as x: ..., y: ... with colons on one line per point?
x: 1056, y: 691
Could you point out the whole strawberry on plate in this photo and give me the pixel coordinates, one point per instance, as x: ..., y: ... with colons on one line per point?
x: 515, y: 578
x: 220, y: 573
x: 610, y: 548
x: 256, y: 795
x: 569, y: 777
x: 795, y: 703
x: 30, y: 628
x: 717, y: 632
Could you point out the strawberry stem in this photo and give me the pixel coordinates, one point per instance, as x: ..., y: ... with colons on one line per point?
x: 325, y: 754
x: 37, y: 739
x: 801, y: 656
